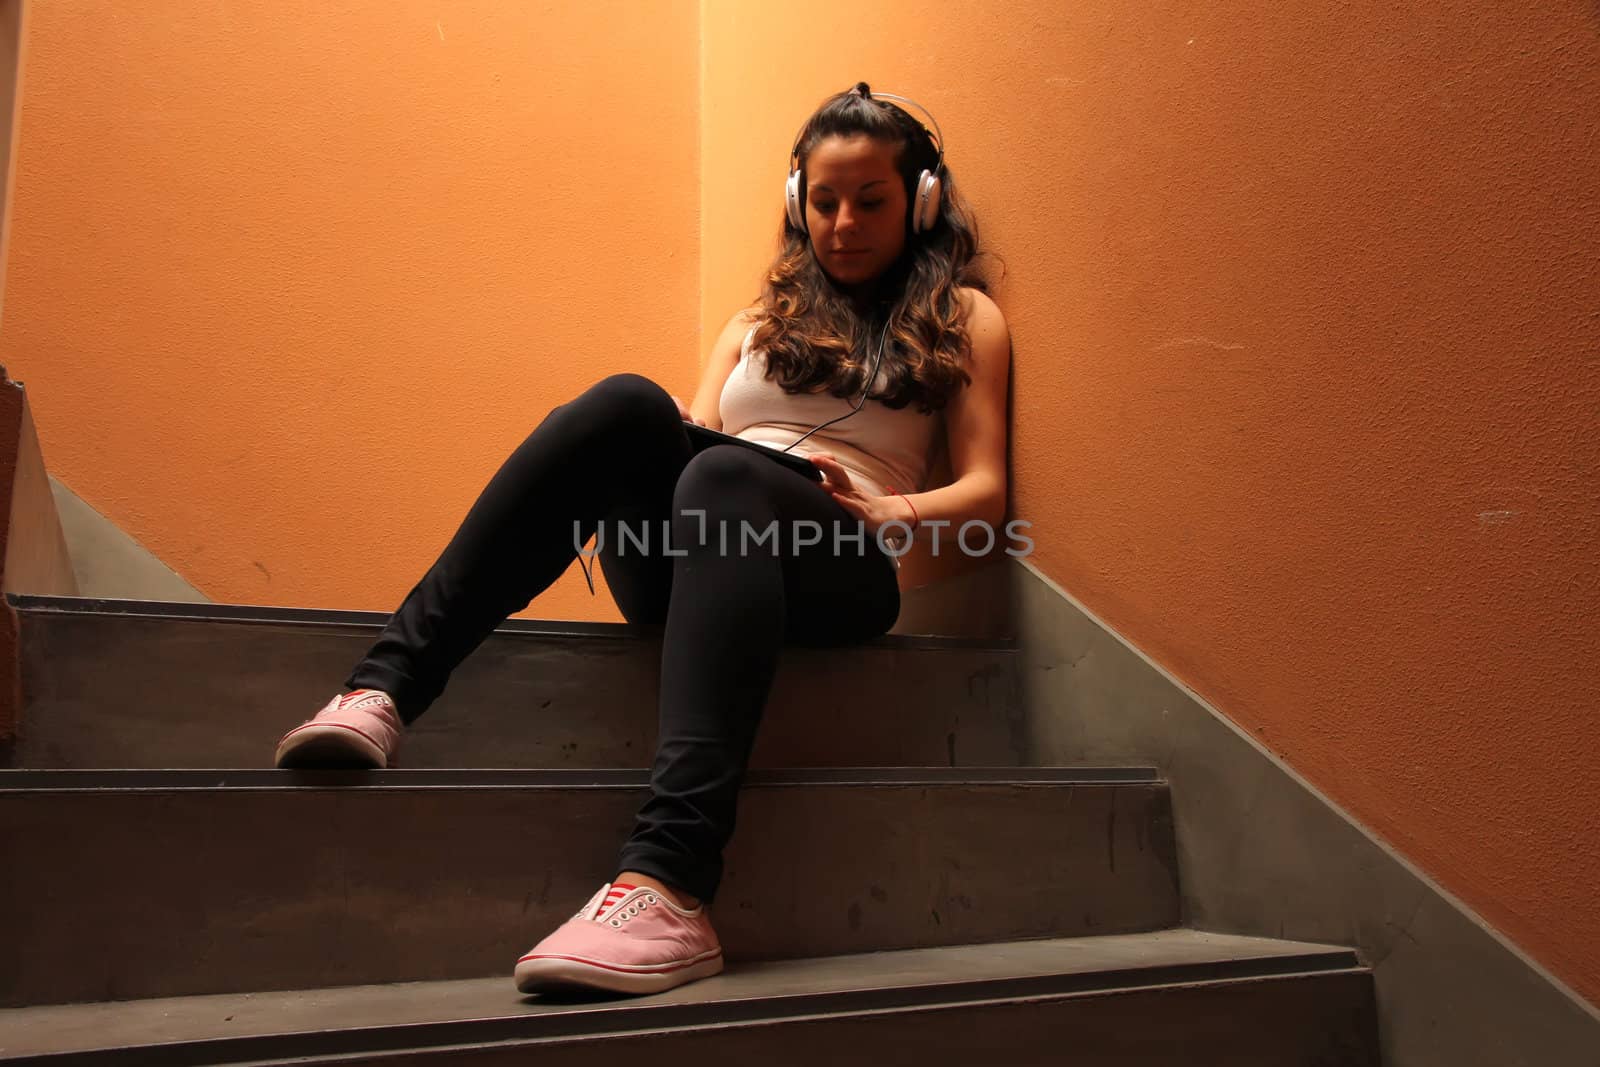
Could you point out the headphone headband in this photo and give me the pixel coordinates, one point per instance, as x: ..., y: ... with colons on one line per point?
x: 938, y: 137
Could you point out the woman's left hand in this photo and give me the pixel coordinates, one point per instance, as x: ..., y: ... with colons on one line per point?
x: 873, y: 511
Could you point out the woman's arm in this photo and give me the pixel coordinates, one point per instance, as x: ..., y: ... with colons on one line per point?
x: 724, y: 356
x: 975, y: 428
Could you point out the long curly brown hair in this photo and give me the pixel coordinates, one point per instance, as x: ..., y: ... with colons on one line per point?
x: 814, y: 337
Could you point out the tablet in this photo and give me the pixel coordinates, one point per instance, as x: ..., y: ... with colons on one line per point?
x: 702, y: 438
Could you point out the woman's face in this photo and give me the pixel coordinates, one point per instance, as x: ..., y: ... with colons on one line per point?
x: 855, y: 209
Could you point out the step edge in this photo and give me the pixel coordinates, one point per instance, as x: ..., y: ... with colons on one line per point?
x: 182, y: 611
x: 631, y: 1017
x: 129, y: 780
x: 842, y: 1014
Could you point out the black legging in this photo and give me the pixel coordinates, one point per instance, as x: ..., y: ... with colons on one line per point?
x: 619, y: 453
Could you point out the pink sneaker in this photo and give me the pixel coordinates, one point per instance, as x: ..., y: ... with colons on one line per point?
x: 627, y: 939
x: 359, y: 729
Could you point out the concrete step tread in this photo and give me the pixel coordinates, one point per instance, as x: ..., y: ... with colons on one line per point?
x: 36, y: 781
x: 321, y: 617
x: 235, y: 1027
x: 299, y: 885
x: 163, y: 686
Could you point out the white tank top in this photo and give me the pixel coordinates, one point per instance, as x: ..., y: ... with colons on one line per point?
x: 879, y: 446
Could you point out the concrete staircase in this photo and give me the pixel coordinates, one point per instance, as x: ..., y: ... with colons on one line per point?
x: 165, y: 900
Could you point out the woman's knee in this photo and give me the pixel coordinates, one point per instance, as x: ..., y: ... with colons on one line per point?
x: 630, y: 399
x: 719, y: 475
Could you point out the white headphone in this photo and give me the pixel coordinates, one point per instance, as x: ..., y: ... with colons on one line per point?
x: 925, y: 199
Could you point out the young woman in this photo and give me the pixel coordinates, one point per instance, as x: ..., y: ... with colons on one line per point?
x: 876, y: 277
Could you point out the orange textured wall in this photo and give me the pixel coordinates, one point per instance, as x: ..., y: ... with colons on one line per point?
x: 289, y: 280
x: 1306, y: 311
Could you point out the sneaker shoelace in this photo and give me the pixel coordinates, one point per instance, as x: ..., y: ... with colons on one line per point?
x: 361, y: 698
x: 608, y: 907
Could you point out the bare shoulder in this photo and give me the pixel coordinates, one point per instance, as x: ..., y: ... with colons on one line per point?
x: 986, y: 326
x: 734, y: 330
x: 978, y: 302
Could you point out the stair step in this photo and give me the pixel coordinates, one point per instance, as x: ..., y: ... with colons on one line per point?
x: 134, y: 684
x: 137, y: 883
x: 1167, y: 997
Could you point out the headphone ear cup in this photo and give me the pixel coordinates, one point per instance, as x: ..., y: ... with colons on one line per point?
x: 791, y: 202
x: 927, y: 209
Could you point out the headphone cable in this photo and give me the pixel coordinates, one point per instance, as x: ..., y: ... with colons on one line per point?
x: 872, y: 377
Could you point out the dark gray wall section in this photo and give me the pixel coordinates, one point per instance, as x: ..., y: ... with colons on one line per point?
x: 1262, y: 853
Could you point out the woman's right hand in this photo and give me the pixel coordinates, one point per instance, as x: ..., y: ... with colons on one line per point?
x: 685, y: 414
